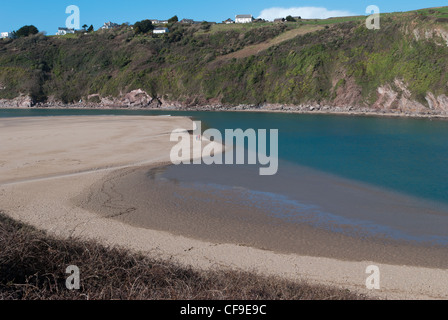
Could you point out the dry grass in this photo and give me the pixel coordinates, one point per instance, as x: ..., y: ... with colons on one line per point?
x: 33, y: 264
x: 257, y: 48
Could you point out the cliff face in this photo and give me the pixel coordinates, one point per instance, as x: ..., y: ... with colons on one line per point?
x: 401, y: 68
x: 391, y: 99
x: 22, y: 101
x: 134, y: 99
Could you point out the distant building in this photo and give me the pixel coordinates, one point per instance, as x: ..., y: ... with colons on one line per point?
x: 228, y: 21
x: 109, y: 25
x: 6, y: 35
x: 64, y: 31
x: 187, y: 21
x: 160, y: 30
x: 163, y: 21
x: 155, y: 21
x: 244, y: 18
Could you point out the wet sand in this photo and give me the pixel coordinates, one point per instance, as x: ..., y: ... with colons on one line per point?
x: 82, y: 176
x: 143, y: 197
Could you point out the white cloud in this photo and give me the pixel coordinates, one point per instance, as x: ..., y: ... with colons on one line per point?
x: 304, y: 12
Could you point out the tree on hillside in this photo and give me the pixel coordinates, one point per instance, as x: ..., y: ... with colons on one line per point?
x: 173, y: 19
x: 26, y: 31
x: 143, y: 26
x: 290, y: 19
x: 85, y: 27
x: 90, y: 28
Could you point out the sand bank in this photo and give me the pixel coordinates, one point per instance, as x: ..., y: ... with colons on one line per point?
x: 144, y: 197
x: 49, y: 164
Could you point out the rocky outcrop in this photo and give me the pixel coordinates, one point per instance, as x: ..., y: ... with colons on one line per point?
x: 134, y: 99
x: 394, y: 98
x: 21, y: 101
x: 348, y: 93
x: 439, y: 104
x: 398, y: 98
x: 436, y: 33
x: 137, y: 98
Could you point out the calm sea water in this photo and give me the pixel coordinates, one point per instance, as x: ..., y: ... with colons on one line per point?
x: 409, y: 156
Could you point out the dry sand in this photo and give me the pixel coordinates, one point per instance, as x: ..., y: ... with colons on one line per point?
x: 45, y: 163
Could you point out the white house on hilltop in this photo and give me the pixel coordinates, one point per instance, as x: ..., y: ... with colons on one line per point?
x: 244, y: 18
x: 109, y: 25
x: 157, y: 21
x: 160, y: 30
x: 5, y: 35
x: 64, y: 31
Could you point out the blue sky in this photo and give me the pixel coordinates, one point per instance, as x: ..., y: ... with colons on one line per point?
x: 49, y: 15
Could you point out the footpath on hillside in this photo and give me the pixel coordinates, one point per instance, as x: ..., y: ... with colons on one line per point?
x: 257, y: 48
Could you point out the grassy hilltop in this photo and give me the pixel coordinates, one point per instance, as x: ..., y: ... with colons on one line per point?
x: 335, y: 61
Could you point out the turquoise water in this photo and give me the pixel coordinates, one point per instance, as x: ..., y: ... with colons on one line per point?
x: 405, y: 155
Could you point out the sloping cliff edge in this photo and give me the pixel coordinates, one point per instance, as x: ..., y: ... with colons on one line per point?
x: 390, y: 101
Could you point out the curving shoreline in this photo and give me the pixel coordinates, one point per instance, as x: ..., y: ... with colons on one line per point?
x: 143, y: 197
x: 47, y: 164
x: 307, y: 109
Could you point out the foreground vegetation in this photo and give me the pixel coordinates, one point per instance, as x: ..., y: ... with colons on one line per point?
x: 33, y: 265
x: 186, y: 65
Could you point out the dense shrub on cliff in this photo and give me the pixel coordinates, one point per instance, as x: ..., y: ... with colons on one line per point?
x: 345, y: 62
x: 144, y: 26
x: 26, y: 31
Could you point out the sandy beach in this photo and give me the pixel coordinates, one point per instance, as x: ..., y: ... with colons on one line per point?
x: 55, y: 172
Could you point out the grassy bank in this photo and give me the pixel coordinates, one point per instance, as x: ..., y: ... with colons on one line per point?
x: 33, y: 264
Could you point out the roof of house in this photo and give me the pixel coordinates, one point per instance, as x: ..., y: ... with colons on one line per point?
x: 244, y: 16
x: 161, y: 28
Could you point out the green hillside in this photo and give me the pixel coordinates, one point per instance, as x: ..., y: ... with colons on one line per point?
x: 335, y: 61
